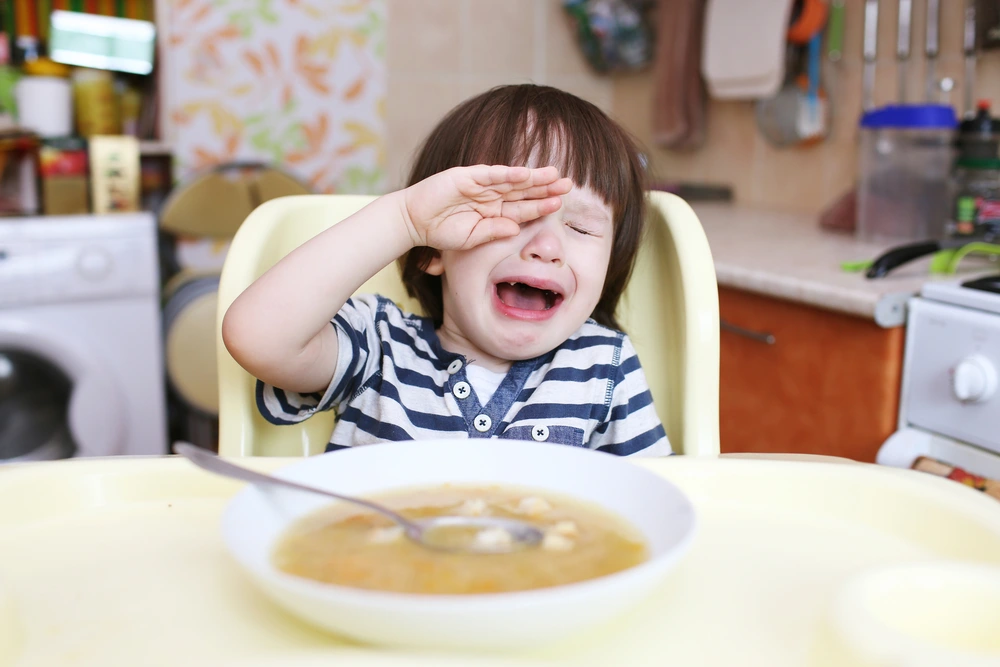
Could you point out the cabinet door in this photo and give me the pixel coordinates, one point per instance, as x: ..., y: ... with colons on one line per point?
x: 824, y: 383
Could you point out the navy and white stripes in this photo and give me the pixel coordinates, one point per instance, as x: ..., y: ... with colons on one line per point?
x: 394, y: 381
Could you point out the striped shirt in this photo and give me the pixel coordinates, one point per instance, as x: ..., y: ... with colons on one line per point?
x: 394, y: 381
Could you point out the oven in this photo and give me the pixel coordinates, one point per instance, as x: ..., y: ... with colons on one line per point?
x: 950, y: 400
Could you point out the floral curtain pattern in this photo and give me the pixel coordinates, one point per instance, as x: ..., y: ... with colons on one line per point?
x: 296, y: 83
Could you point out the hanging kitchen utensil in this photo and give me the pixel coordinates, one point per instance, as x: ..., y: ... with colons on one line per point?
x: 833, y: 65
x: 931, y: 85
x: 798, y: 114
x: 777, y: 116
x: 742, y: 63
x: 969, y: 47
x: 903, y: 46
x: 869, y: 50
x: 807, y: 20
x: 679, y: 99
x: 812, y: 118
x: 835, y: 32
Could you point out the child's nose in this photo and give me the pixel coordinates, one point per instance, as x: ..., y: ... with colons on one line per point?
x: 546, y: 244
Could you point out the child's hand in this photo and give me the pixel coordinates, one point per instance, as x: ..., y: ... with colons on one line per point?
x: 467, y: 206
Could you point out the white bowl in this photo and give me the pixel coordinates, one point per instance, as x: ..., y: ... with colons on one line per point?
x: 923, y: 615
x: 255, y: 519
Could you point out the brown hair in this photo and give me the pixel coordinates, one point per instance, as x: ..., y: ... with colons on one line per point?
x: 509, y: 124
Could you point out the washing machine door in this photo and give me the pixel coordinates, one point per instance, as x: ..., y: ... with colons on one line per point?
x: 34, y: 396
x: 56, y: 399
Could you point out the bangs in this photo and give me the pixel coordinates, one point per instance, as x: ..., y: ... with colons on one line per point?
x: 539, y: 127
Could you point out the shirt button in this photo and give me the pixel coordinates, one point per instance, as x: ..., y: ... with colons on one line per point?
x: 540, y: 433
x: 483, y: 423
x: 461, y: 390
x: 454, y: 367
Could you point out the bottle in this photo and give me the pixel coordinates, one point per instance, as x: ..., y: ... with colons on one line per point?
x: 979, y: 136
x: 976, y: 177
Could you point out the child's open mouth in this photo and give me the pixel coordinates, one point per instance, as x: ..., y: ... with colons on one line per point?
x: 526, y: 301
x: 526, y: 297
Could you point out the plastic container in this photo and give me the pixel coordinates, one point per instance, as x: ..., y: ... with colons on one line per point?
x: 905, y: 166
x: 45, y: 105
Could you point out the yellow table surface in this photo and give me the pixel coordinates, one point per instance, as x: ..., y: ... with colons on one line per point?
x: 120, y: 562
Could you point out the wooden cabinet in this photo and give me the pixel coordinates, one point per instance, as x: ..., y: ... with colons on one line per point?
x: 823, y: 383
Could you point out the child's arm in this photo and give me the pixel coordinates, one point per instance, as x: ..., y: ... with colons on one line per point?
x: 279, y: 328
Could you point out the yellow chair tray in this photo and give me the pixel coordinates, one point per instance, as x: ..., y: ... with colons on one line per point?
x: 120, y: 562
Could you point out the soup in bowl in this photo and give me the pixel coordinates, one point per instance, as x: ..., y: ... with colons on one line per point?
x: 612, y: 532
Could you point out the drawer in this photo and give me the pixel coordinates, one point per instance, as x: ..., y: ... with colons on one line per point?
x: 800, y: 379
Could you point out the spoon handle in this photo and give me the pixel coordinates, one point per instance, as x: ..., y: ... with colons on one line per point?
x: 212, y: 463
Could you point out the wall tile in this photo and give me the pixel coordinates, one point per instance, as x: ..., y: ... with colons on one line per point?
x: 599, y: 91
x: 422, y: 36
x: 888, y: 15
x: 854, y: 20
x: 562, y: 53
x: 953, y: 66
x: 952, y: 19
x: 988, y: 83
x: 793, y: 178
x: 843, y: 86
x: 500, y: 37
x: 413, y: 109
x: 473, y: 85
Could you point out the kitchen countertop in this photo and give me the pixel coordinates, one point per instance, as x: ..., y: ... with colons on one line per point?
x: 789, y: 256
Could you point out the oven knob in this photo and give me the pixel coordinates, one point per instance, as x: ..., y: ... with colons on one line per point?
x: 974, y: 379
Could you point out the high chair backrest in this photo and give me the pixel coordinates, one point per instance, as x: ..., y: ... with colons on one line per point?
x: 670, y: 310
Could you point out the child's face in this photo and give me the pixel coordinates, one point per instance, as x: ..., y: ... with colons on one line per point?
x: 520, y: 297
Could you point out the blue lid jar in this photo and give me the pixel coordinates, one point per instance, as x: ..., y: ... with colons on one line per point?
x: 910, y: 117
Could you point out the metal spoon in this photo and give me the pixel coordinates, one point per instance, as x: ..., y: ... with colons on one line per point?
x: 443, y: 533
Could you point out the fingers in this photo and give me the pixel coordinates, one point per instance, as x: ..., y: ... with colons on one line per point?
x: 491, y: 229
x: 527, y: 210
x: 555, y: 189
x: 504, y: 179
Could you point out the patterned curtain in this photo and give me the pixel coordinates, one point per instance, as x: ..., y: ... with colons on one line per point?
x: 296, y: 83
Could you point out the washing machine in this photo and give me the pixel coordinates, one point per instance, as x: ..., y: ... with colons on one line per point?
x: 81, y: 370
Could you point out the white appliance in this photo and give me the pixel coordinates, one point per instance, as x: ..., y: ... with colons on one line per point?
x: 950, y: 401
x: 81, y: 371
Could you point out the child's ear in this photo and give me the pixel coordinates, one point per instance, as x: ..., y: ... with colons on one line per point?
x: 435, y: 266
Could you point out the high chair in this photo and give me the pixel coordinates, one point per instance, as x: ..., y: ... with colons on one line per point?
x: 670, y: 310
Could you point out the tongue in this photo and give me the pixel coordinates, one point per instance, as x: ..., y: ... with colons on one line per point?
x: 521, y: 296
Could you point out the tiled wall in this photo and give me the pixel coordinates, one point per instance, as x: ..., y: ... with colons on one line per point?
x: 807, y: 179
x: 442, y: 51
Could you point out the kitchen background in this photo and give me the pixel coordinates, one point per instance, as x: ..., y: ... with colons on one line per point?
x: 250, y: 99
x: 433, y: 62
